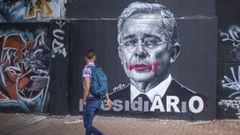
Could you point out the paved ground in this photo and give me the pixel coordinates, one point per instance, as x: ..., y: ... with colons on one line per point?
x: 22, y: 124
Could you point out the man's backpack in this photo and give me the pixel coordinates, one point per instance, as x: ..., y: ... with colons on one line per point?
x: 99, y: 85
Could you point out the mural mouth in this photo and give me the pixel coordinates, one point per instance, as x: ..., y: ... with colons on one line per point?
x: 140, y: 67
x: 143, y: 67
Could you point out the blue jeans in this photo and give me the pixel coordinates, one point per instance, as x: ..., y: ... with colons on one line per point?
x: 89, y: 111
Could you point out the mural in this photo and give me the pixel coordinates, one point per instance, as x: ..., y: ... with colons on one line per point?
x: 24, y: 67
x: 146, y: 47
x: 229, y: 104
x: 31, y: 10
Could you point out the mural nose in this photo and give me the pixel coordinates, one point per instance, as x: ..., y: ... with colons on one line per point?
x: 140, y: 51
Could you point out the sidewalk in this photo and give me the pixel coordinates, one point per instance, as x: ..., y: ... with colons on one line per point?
x: 22, y: 124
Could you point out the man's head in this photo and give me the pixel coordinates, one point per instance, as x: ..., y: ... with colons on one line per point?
x: 90, y: 56
x: 148, y: 41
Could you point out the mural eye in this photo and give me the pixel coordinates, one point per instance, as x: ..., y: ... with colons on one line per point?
x: 130, y: 42
x: 151, y: 42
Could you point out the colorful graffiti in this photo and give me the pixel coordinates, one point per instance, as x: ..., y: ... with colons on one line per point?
x: 31, y: 10
x: 24, y: 71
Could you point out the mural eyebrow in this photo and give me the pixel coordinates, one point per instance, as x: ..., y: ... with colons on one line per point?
x: 152, y: 36
x: 129, y: 36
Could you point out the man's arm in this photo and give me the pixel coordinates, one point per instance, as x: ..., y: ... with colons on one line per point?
x: 86, y: 89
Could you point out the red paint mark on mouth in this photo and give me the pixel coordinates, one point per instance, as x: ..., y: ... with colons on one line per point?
x: 149, y: 67
x: 156, y: 65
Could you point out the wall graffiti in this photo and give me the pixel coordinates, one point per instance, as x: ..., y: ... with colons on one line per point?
x: 231, y: 104
x: 147, y: 63
x: 58, y: 40
x: 146, y: 86
x: 232, y: 86
x: 31, y: 10
x: 233, y: 36
x: 230, y: 83
x: 24, y: 71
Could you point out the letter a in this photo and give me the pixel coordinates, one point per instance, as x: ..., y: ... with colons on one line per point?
x: 157, y: 104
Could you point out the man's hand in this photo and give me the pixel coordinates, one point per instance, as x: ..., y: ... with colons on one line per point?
x: 84, y: 102
x: 109, y: 103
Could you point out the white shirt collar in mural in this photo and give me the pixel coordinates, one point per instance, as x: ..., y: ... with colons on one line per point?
x: 160, y: 90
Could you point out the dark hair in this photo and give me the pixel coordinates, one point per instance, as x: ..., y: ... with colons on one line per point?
x: 90, y: 54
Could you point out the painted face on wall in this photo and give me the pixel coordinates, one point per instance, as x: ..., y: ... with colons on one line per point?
x: 144, y: 50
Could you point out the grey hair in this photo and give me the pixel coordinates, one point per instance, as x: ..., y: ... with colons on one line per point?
x: 168, y: 21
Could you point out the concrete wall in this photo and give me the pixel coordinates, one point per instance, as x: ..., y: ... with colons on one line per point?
x: 209, y: 54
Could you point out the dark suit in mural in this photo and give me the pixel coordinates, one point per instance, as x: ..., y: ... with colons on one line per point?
x: 178, y: 102
x: 148, y: 45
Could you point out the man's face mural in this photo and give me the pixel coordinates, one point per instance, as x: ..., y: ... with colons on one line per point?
x: 144, y: 49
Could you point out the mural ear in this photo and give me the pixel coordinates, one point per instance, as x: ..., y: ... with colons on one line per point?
x: 174, y: 52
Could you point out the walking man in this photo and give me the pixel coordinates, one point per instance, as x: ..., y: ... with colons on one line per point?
x: 91, y: 101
